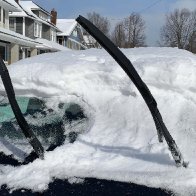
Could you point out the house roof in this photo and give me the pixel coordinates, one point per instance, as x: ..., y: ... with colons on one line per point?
x: 27, y: 7
x: 66, y: 26
x: 10, y: 5
x: 12, y: 37
x: 53, y: 46
x: 34, y: 6
x: 23, y: 12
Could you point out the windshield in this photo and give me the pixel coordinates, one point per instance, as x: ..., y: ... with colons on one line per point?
x: 53, y: 122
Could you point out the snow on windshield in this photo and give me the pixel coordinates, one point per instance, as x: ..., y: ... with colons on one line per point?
x: 121, y: 142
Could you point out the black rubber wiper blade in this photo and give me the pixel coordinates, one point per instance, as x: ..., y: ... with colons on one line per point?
x: 127, y: 66
x: 32, y: 139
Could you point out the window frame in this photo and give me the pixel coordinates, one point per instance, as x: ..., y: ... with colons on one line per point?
x: 37, y: 29
x: 53, y: 35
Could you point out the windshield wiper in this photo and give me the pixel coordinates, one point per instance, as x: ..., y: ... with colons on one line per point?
x: 32, y: 139
x: 127, y: 66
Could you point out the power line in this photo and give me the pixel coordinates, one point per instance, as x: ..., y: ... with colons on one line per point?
x: 148, y: 7
x: 142, y: 10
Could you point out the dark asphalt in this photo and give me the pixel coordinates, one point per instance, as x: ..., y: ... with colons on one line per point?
x: 91, y: 187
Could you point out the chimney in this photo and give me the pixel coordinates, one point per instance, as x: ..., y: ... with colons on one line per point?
x: 53, y: 16
x: 17, y: 1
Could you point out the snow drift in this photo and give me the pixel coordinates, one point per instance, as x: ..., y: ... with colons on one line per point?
x: 121, y: 140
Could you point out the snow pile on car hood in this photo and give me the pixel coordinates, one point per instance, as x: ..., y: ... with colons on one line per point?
x: 121, y: 142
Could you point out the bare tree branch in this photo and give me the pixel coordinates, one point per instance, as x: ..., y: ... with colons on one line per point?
x: 100, y: 22
x: 179, y: 29
x: 118, y: 35
x: 134, y: 27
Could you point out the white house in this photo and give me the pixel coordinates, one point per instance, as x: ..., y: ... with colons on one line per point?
x: 71, y: 34
x: 11, y: 42
x: 38, y: 24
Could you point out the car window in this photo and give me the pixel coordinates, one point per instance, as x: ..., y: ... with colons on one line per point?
x: 6, y: 113
x: 52, y: 121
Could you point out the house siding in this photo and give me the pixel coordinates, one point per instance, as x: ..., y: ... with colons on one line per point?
x: 74, y: 37
x: 79, y: 36
x: 29, y: 28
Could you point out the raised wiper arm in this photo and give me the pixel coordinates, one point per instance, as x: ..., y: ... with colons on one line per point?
x: 127, y: 66
x: 32, y: 139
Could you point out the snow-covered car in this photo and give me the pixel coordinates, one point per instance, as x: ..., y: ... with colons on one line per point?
x: 116, y: 138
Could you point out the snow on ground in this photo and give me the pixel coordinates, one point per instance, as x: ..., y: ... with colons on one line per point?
x: 121, y: 142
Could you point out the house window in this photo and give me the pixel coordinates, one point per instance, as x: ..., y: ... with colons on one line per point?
x: 75, y: 33
x: 40, y: 30
x: 4, y: 51
x: 27, y: 53
x: 37, y: 29
x: 3, y: 16
x: 12, y: 24
x: 43, y: 16
x: 0, y: 13
x: 60, y: 41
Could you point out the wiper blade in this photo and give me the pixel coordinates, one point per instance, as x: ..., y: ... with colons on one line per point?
x: 32, y: 139
x: 127, y: 66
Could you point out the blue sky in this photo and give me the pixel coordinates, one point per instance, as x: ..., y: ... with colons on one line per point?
x: 152, y: 11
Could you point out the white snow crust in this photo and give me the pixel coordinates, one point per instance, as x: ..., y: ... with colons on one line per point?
x: 121, y: 142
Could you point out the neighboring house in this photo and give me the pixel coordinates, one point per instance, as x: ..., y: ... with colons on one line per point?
x: 71, y: 35
x: 11, y: 42
x: 36, y: 23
